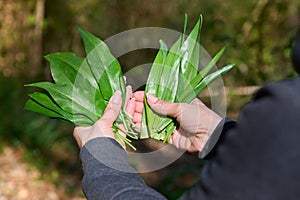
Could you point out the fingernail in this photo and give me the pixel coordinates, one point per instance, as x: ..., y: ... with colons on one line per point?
x: 151, y: 98
x: 117, y: 98
x: 129, y: 87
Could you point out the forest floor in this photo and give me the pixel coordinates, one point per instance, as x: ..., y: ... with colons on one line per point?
x: 19, y: 180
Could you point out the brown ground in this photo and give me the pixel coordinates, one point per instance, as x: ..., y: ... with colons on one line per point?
x: 19, y: 180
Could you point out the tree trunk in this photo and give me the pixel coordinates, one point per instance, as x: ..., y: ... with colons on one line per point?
x: 36, y: 55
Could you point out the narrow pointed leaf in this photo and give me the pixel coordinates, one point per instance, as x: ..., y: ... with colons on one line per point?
x: 45, y: 101
x: 211, y: 77
x: 67, y: 100
x: 66, y: 68
x: 104, y: 66
x: 31, y: 105
x: 212, y: 63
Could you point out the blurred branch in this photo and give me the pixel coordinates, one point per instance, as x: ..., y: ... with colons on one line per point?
x: 237, y: 91
x: 256, y: 13
x: 38, y: 37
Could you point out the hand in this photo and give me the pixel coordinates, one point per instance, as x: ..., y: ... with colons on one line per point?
x: 135, y: 107
x: 103, y: 127
x: 196, y: 122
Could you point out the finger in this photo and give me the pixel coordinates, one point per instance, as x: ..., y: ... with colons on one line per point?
x: 113, y: 109
x: 195, y: 101
x: 198, y: 102
x: 139, y: 125
x: 76, y: 137
x: 175, y: 139
x: 137, y: 118
x: 139, y: 107
x: 121, y: 132
x: 139, y: 96
x: 131, y: 106
x: 164, y: 107
x: 129, y: 94
x: 192, y: 149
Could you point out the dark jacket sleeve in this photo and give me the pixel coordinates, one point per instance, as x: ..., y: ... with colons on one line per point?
x: 217, y: 138
x: 107, y: 174
x: 259, y: 158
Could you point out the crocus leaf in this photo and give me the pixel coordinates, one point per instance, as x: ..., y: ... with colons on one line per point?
x: 152, y: 87
x: 211, y: 77
x: 190, y: 61
x: 176, y: 79
x: 212, y: 63
x: 191, y: 49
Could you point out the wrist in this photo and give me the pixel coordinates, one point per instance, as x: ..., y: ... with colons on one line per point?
x: 213, y: 137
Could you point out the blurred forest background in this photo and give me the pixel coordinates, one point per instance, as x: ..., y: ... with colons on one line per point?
x: 258, y: 33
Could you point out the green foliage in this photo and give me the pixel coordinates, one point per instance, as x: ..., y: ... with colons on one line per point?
x: 83, y: 86
x: 174, y: 77
x: 259, y: 41
x: 24, y: 128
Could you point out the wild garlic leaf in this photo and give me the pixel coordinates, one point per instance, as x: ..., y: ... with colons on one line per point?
x: 105, y: 68
x: 66, y: 68
x: 108, y: 74
x: 46, y: 101
x: 41, y: 103
x: 67, y: 100
x: 69, y: 69
x: 83, y: 87
x: 38, y: 108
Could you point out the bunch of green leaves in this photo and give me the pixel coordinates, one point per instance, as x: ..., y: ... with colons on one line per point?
x: 83, y: 87
x: 174, y: 77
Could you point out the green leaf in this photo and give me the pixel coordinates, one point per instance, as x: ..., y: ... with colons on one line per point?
x: 83, y: 87
x: 108, y: 74
x: 157, y: 69
x: 45, y: 101
x: 69, y: 69
x: 66, y: 68
x: 105, y: 68
x: 211, y: 77
x: 152, y: 87
x: 191, y: 49
x: 190, y: 62
x: 70, y: 99
x: 31, y: 105
x: 175, y: 78
x: 212, y: 63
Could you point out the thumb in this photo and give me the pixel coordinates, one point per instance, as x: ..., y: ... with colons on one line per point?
x: 164, y: 107
x: 113, y: 109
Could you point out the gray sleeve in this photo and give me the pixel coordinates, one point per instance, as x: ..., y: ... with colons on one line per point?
x: 107, y: 174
